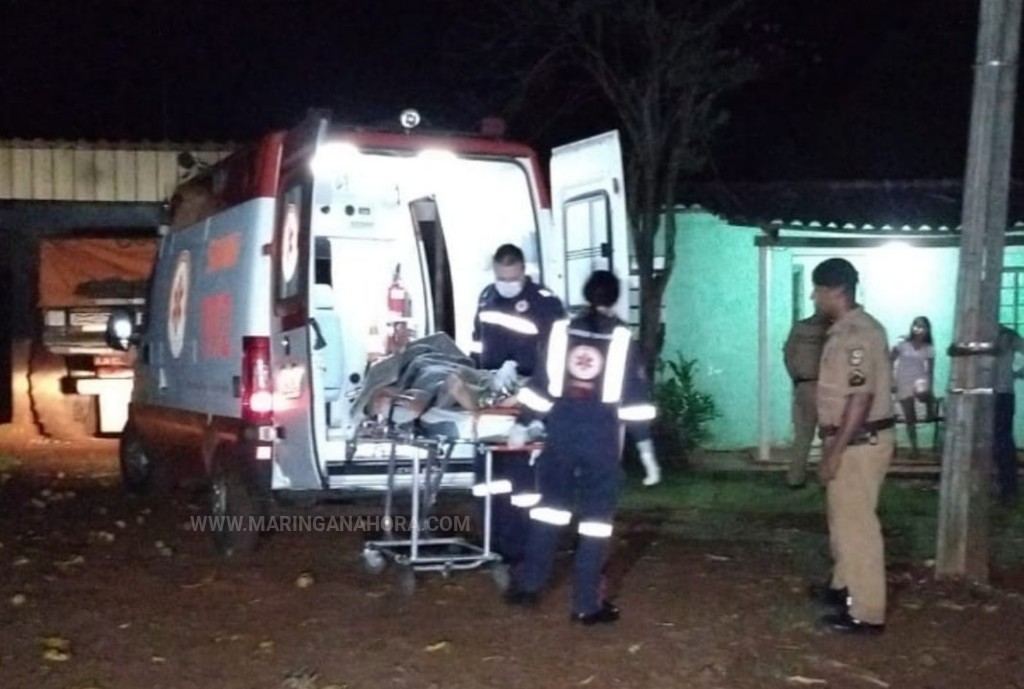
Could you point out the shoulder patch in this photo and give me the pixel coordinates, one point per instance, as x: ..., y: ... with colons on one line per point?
x: 856, y: 378
x: 856, y: 356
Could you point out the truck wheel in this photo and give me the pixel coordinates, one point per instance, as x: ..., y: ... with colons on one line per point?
x: 139, y: 472
x: 58, y: 415
x: 236, y: 508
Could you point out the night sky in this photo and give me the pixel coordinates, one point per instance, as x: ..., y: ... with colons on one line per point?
x: 850, y: 89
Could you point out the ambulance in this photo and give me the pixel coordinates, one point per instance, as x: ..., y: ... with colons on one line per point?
x: 293, y: 265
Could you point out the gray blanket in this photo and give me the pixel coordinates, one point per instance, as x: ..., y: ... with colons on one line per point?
x: 430, y: 373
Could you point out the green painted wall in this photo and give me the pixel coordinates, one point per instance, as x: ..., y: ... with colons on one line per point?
x: 712, y: 301
x: 711, y: 315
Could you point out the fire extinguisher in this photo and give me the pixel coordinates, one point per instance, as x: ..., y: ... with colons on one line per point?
x: 399, y: 304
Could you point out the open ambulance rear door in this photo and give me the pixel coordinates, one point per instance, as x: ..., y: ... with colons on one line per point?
x: 588, y: 209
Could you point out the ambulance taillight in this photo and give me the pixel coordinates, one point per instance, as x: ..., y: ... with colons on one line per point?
x: 257, y: 388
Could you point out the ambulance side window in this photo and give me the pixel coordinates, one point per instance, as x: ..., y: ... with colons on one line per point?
x: 587, y: 240
x: 293, y: 229
x: 322, y: 261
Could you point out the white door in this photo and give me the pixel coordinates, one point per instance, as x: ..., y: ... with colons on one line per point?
x: 296, y: 460
x: 588, y: 208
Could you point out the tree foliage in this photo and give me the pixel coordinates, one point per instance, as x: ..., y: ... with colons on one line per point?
x: 657, y: 69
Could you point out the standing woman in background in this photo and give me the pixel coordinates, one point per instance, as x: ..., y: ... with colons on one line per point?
x: 914, y: 375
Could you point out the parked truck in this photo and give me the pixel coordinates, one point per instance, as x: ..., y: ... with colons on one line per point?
x: 80, y: 387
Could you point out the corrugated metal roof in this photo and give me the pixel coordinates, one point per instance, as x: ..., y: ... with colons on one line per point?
x: 863, y: 206
x: 38, y: 170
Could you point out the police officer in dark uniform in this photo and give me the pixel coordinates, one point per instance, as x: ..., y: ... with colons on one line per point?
x: 803, y: 358
x: 591, y: 382
x: 513, y: 317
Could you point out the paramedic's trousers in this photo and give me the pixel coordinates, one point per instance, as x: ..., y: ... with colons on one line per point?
x: 855, y: 533
x: 513, y: 491
x: 591, y: 472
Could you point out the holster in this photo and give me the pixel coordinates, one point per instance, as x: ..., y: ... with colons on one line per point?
x: 865, y: 435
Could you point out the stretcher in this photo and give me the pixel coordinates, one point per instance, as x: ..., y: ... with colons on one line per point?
x: 441, y: 436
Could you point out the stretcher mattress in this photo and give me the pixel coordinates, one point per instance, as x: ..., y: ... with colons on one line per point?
x: 482, y: 426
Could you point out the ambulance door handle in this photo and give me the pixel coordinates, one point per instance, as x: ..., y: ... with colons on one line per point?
x: 319, y: 343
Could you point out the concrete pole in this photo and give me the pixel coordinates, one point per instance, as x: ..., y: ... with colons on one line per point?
x: 764, y: 354
x: 963, y: 509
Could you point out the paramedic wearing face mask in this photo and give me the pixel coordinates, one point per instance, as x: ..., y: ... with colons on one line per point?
x: 513, y: 316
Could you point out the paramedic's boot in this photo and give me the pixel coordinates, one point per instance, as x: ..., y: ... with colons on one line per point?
x: 606, y: 614
x: 526, y: 599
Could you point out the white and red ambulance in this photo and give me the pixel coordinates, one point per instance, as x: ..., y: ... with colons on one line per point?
x: 291, y: 265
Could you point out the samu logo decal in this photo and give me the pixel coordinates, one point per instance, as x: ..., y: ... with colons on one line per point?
x: 290, y: 241
x: 585, y: 362
x: 177, y: 307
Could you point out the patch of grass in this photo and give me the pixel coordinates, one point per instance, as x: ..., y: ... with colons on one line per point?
x: 759, y: 493
x: 759, y: 507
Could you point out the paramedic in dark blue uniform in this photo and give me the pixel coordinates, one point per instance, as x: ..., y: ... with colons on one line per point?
x: 592, y: 383
x: 513, y: 317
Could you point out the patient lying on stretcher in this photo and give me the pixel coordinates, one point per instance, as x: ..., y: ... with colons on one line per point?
x: 430, y: 373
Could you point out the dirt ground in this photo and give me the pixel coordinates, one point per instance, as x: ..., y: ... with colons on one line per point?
x: 99, y: 589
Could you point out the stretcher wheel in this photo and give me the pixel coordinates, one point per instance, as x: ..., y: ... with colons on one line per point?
x: 374, y: 561
x: 407, y: 581
x: 501, y: 574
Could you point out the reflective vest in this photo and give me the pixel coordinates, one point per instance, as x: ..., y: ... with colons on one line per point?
x: 511, y: 329
x: 585, y: 365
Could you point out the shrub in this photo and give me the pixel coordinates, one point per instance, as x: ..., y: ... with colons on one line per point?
x: 684, y: 412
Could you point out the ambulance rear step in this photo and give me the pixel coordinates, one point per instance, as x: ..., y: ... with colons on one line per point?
x: 371, y: 474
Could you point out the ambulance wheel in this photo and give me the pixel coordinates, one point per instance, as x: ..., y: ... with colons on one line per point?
x: 139, y: 473
x: 407, y: 581
x: 233, y: 498
x: 374, y: 561
x: 501, y: 574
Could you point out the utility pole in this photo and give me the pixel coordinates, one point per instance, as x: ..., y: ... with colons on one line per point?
x: 966, y: 461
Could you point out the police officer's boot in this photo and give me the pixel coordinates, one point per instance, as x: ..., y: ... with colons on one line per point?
x: 826, y: 595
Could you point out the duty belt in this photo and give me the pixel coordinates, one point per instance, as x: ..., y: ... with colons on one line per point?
x: 797, y: 381
x: 867, y: 434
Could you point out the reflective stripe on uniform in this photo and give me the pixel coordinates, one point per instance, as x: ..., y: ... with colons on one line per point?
x: 595, y: 529
x: 499, y: 487
x: 558, y: 346
x: 517, y: 324
x: 534, y: 401
x: 589, y: 335
x: 615, y: 371
x: 526, y: 499
x: 638, y: 412
x: 549, y: 515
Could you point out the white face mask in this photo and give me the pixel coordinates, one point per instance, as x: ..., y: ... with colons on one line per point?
x: 508, y: 288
